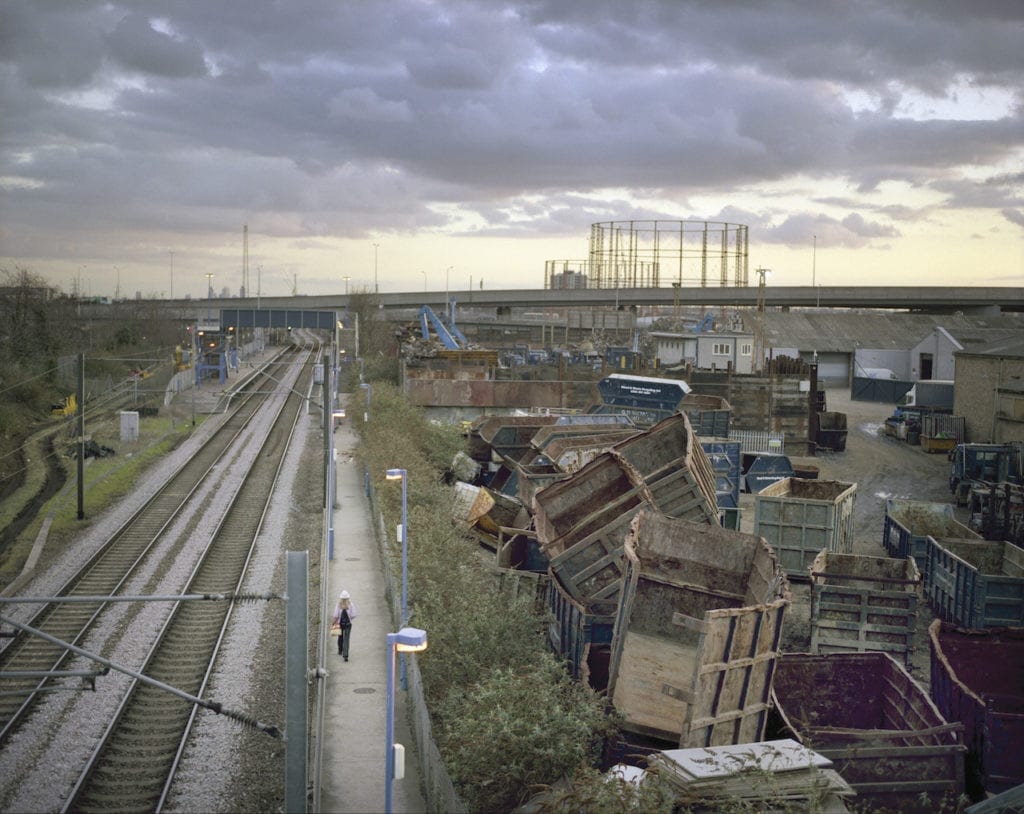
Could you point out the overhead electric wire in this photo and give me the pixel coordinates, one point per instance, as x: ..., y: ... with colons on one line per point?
x: 30, y: 379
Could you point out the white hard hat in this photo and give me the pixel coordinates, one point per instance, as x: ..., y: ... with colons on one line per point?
x: 344, y: 595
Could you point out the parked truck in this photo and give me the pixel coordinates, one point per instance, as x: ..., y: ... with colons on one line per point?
x: 934, y: 393
x: 979, y: 464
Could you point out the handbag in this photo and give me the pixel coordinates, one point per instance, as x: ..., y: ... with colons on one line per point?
x: 335, y: 630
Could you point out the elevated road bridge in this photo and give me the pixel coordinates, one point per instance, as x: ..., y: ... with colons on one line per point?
x: 909, y: 298
x: 930, y: 299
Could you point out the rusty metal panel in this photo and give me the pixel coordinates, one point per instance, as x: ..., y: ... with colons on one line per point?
x: 577, y: 631
x: 709, y: 415
x: 977, y: 677
x: 570, y: 510
x: 486, y: 393
x: 530, y: 479
x: 568, y: 432
x: 592, y: 569
x: 876, y: 723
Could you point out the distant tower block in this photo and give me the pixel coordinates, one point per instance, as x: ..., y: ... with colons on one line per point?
x: 662, y: 253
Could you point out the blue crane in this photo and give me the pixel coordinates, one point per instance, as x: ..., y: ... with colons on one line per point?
x: 449, y: 336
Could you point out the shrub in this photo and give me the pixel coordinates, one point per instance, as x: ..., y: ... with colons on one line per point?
x: 514, y: 729
x: 506, y: 714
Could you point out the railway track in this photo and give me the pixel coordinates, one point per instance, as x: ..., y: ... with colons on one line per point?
x: 133, y: 766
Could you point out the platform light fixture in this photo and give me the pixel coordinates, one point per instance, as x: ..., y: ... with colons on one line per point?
x: 406, y: 640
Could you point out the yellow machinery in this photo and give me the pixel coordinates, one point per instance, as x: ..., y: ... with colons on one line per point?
x: 65, y: 407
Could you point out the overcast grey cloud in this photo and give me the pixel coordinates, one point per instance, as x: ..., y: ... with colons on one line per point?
x: 132, y: 129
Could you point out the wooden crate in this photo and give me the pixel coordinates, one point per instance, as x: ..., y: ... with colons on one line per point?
x: 581, y: 522
x: 572, y: 454
x: 883, y: 733
x: 697, y: 633
x: 861, y: 604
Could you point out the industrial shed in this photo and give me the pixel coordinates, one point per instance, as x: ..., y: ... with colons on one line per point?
x: 846, y: 344
x: 990, y: 391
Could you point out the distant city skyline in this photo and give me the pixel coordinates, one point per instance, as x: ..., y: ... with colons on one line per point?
x: 424, y: 144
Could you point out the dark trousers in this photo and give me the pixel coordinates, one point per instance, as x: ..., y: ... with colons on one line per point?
x: 346, y: 634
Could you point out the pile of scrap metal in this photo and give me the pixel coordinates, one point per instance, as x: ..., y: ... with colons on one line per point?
x: 510, y: 458
x: 643, y: 503
x: 431, y: 335
x: 678, y: 619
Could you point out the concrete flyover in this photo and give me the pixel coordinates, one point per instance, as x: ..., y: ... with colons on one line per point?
x: 931, y: 299
x: 911, y: 298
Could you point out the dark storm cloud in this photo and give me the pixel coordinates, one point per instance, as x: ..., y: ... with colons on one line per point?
x: 527, y: 117
x: 135, y: 45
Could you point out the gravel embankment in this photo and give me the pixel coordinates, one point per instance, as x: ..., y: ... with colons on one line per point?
x: 228, y: 767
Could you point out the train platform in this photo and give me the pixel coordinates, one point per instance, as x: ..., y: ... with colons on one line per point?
x: 353, y: 775
x: 212, y: 396
x: 355, y: 692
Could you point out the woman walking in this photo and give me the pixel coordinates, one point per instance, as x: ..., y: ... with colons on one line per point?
x: 344, y: 613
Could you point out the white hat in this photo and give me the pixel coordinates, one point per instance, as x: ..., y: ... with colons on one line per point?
x: 344, y: 595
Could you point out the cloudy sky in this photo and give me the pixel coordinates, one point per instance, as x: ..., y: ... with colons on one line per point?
x: 403, y: 143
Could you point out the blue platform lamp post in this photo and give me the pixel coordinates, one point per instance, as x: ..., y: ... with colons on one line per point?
x: 403, y: 535
x: 407, y: 640
x: 366, y: 413
x: 338, y: 328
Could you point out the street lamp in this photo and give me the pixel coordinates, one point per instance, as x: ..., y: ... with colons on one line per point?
x: 194, y: 331
x: 447, y: 297
x: 346, y: 279
x: 424, y: 280
x: 376, y: 283
x: 402, y: 475
x: 366, y: 413
x: 403, y: 535
x: 407, y: 640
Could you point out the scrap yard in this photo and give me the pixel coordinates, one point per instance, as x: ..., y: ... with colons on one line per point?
x: 809, y: 582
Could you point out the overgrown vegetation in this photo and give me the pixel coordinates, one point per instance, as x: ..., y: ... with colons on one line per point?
x: 107, y: 480
x: 506, y: 715
x: 41, y: 331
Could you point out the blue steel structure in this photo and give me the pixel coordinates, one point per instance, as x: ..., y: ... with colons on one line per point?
x: 449, y: 336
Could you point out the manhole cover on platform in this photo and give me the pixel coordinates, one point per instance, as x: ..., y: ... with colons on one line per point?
x: 364, y: 690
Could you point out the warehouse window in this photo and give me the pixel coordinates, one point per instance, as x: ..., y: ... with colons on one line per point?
x: 721, y: 349
x: 1010, y: 405
x: 746, y: 349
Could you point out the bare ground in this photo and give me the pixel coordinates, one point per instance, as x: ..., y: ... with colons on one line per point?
x: 883, y: 468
